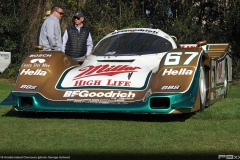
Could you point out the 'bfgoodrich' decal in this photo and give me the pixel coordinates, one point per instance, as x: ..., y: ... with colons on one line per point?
x: 99, y: 97
x: 110, y: 94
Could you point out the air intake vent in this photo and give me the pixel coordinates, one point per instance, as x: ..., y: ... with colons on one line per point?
x: 159, y: 103
x: 26, y: 101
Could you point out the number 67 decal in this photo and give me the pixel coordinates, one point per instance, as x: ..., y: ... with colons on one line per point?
x: 174, y: 58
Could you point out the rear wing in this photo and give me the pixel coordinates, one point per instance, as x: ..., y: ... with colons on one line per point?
x: 5, y: 60
x: 213, y: 50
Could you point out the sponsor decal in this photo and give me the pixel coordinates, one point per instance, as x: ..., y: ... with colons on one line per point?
x: 136, y: 30
x: 36, y: 63
x: 40, y: 55
x: 99, y: 101
x: 118, y: 83
x: 38, y: 60
x: 26, y: 65
x: 109, y: 82
x: 173, y: 72
x: 92, y: 94
x: 38, y: 72
x: 88, y: 83
x: 28, y: 87
x: 177, y: 87
x: 93, y: 78
x: 104, y: 70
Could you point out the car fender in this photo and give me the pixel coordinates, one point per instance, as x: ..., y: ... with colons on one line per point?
x: 177, y: 70
x: 40, y: 71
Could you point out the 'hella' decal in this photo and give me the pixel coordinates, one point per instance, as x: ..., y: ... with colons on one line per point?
x: 182, y: 71
x: 104, y: 70
x: 38, y: 72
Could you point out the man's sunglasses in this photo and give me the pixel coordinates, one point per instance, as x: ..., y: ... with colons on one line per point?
x: 76, y: 18
x: 61, y: 13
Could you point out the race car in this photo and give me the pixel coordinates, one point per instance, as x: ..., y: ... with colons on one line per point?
x: 134, y: 70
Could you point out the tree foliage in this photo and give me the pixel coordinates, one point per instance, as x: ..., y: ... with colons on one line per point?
x: 216, y: 21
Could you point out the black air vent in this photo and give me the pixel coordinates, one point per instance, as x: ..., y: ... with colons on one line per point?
x: 159, y: 103
x: 26, y: 101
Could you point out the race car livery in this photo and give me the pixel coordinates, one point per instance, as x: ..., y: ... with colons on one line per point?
x: 135, y: 70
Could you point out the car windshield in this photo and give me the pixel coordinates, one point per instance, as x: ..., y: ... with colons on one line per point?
x: 130, y: 44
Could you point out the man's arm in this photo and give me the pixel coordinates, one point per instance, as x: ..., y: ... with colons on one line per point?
x: 89, y: 44
x: 65, y: 38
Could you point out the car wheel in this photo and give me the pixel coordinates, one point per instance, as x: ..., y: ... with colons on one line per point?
x: 202, y: 87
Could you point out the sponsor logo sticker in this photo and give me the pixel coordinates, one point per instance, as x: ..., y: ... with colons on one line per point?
x: 38, y: 72
x: 92, y: 94
x: 30, y: 87
x: 36, y: 63
x: 38, y: 60
x: 104, y: 70
x: 109, y: 82
x: 40, y: 55
x: 173, y: 72
x: 177, y: 87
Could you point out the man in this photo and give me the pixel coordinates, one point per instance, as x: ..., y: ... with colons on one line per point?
x: 77, y: 40
x: 47, y: 13
x: 50, y: 34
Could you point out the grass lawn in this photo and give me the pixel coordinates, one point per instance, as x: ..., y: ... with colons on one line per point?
x: 203, y: 135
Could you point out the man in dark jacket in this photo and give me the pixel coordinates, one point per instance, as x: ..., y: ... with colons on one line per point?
x: 77, y: 40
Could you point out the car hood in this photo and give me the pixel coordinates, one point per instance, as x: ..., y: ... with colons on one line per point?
x: 128, y: 72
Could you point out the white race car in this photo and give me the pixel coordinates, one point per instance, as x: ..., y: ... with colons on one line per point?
x: 136, y: 70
